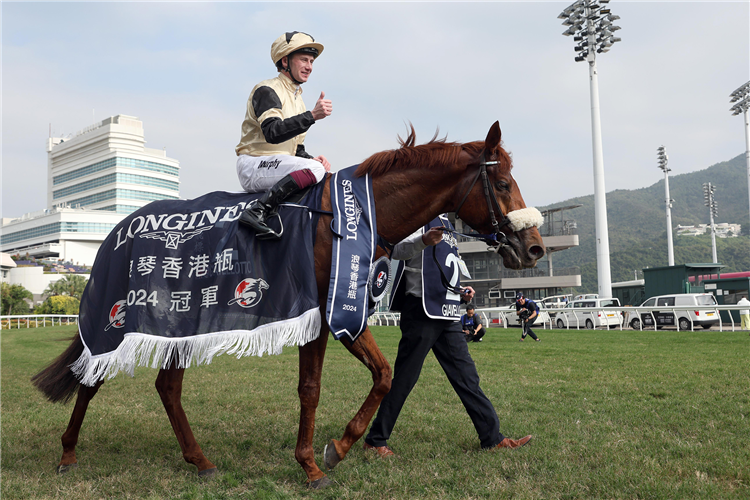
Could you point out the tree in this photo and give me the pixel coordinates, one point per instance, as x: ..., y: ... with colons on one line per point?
x: 13, y: 299
x: 59, y: 304
x: 70, y: 284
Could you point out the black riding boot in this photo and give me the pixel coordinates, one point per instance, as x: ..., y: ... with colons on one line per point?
x: 258, y: 211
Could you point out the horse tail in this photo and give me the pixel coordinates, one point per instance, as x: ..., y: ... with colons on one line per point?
x: 57, y: 381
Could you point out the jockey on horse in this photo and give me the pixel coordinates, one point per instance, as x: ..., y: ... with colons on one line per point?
x: 271, y: 153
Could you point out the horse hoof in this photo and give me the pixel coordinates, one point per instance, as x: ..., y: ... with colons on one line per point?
x: 207, y: 473
x: 330, y: 456
x: 319, y: 484
x: 62, y: 469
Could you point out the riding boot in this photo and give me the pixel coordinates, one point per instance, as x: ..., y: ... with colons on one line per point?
x: 258, y: 211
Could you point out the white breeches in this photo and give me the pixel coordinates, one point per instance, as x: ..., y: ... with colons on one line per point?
x: 259, y: 173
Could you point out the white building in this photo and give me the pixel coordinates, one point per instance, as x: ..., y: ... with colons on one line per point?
x: 93, y: 180
x: 723, y: 230
x: 6, y: 265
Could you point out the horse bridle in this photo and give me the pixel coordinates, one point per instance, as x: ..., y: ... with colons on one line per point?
x: 497, y: 235
x: 489, y: 196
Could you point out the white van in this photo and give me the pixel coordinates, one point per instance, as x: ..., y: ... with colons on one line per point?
x: 703, y: 318
x: 568, y: 318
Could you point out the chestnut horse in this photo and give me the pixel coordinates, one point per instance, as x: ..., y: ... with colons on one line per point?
x: 412, y: 185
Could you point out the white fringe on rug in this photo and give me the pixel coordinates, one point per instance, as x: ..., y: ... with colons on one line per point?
x: 140, y: 349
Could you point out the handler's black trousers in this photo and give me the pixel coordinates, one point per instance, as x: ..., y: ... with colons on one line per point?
x: 527, y: 328
x: 419, y: 334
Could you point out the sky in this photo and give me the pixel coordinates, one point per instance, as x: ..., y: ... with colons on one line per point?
x: 186, y: 70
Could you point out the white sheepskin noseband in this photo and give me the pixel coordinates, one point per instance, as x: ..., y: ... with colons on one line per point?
x: 525, y: 218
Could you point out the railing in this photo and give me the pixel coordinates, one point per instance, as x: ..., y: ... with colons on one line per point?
x: 566, y: 228
x: 628, y: 314
x: 502, y: 313
x: 384, y: 319
x: 36, y: 320
x: 581, y: 314
x: 393, y: 318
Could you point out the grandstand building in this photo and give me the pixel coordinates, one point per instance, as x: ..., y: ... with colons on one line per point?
x: 94, y: 179
x: 497, y: 286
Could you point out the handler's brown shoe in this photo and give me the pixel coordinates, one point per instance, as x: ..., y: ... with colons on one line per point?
x: 382, y: 451
x: 514, y: 443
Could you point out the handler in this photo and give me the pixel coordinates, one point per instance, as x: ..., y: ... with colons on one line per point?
x: 429, y: 321
x: 533, y: 311
x: 271, y: 153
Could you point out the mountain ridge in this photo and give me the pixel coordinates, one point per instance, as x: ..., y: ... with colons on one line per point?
x: 637, y: 224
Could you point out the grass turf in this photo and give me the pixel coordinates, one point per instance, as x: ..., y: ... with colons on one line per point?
x: 614, y: 415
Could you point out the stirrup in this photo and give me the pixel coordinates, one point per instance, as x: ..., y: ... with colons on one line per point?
x: 271, y: 234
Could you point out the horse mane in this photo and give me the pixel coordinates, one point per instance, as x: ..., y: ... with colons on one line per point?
x: 437, y: 151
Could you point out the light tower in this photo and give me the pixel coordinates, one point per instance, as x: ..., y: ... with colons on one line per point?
x: 592, y: 29
x: 663, y: 159
x: 742, y: 97
x: 710, y: 201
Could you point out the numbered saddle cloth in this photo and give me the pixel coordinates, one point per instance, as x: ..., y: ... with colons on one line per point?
x: 438, y: 302
x: 182, y: 281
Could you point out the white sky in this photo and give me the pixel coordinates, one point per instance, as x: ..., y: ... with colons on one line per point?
x: 186, y: 70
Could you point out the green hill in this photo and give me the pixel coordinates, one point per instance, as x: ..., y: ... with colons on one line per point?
x: 637, y: 224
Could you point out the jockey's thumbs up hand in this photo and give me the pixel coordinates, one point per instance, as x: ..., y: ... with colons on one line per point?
x: 323, y: 107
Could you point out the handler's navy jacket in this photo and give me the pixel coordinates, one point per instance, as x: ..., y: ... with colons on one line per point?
x: 418, y: 274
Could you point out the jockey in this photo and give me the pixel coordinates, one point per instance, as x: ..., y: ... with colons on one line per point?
x: 271, y: 153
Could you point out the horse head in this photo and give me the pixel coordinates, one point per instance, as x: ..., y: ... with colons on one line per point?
x: 502, y: 202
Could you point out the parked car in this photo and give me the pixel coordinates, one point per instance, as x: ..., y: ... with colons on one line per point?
x: 553, y: 303
x: 586, y: 296
x: 568, y: 318
x: 512, y: 317
x: 703, y: 318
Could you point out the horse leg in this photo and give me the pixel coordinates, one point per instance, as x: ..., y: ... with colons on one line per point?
x: 70, y: 436
x: 310, y: 370
x: 366, y: 350
x: 169, y: 386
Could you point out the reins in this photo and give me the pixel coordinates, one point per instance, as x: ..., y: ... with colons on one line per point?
x: 497, y: 236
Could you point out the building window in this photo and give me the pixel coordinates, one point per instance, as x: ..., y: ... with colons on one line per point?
x: 111, y: 179
x: 128, y: 194
x: 112, y: 163
x: 57, y: 227
x: 120, y: 209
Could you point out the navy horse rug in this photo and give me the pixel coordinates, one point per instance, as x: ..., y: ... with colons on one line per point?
x: 181, y: 281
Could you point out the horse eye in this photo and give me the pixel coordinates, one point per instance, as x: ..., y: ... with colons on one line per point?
x: 502, y: 185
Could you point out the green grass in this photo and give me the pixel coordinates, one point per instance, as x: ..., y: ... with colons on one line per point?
x: 614, y: 415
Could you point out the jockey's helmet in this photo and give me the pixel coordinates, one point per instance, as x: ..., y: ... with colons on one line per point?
x: 293, y: 42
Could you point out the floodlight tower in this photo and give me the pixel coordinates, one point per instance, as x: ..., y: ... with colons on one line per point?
x: 592, y: 29
x: 710, y: 201
x: 742, y: 95
x: 663, y: 159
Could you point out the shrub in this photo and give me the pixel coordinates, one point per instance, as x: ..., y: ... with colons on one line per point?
x: 59, y: 304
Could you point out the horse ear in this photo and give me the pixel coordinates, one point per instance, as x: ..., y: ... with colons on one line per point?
x: 493, y: 137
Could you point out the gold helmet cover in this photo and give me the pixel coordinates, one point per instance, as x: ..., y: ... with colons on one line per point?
x: 294, y: 41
